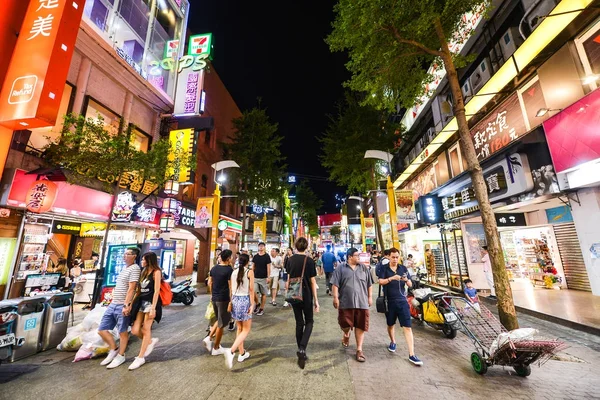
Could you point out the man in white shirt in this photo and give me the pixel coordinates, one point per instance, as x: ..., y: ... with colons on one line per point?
x: 276, y: 266
x: 487, y: 270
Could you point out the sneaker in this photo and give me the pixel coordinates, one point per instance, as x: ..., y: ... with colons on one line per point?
x: 111, y: 356
x: 118, y: 360
x: 392, y: 347
x: 149, y: 348
x: 256, y: 308
x: 218, y: 352
x: 274, y: 303
x: 228, y: 358
x: 327, y: 291
x: 231, y: 326
x: 301, y: 358
x: 243, y: 357
x: 138, y: 362
x: 208, y: 344
x: 286, y: 304
x: 260, y: 312
x: 415, y: 360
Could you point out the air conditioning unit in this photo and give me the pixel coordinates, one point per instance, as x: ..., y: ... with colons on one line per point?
x: 412, y: 155
x: 442, y: 110
x: 536, y: 11
x: 418, y: 148
x: 510, y: 41
x: 481, y: 75
x: 496, y: 58
x: 466, y: 91
x: 430, y: 135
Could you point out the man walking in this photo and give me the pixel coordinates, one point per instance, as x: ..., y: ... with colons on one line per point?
x: 487, y: 270
x: 262, y: 272
x: 276, y: 266
x: 352, y: 297
x: 385, y: 260
x: 118, y: 312
x: 395, y: 280
x: 329, y: 264
x: 219, y: 281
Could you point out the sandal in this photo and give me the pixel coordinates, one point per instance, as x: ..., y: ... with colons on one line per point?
x: 360, y: 357
x: 346, y: 341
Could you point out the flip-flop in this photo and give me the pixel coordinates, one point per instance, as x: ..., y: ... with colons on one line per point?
x: 360, y: 357
x: 346, y: 341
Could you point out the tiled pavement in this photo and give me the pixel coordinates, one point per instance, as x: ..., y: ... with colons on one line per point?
x: 181, y: 368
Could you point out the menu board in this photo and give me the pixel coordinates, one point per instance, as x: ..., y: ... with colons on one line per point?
x: 115, y: 262
x: 41, y: 280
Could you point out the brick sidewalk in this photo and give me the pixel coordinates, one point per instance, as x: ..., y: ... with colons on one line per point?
x: 180, y: 367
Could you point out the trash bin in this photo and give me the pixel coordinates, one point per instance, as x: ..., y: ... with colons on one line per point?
x: 8, y: 314
x: 56, y: 319
x: 28, y: 327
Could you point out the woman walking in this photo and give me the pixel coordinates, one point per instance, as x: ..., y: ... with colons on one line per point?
x: 302, y: 265
x: 148, y: 308
x: 242, y: 305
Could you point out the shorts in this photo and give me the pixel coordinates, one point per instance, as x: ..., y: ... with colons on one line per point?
x: 223, y: 316
x: 398, y: 310
x: 240, y: 307
x: 260, y: 286
x: 357, y: 318
x: 146, y: 306
x: 113, y: 316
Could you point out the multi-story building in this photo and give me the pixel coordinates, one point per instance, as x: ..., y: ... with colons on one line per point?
x: 530, y: 96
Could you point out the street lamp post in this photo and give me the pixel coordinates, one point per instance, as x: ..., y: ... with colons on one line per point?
x: 387, y: 157
x: 218, y: 167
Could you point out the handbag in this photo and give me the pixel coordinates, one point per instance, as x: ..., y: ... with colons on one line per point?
x: 294, y: 293
x: 381, y: 304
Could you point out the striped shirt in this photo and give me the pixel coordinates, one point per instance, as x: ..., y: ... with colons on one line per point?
x: 127, y: 275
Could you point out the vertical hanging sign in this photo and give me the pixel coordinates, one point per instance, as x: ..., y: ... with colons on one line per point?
x: 38, y: 69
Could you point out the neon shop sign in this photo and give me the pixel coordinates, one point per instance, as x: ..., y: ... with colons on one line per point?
x: 196, y: 63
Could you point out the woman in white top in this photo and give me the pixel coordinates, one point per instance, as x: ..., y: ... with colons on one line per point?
x: 241, y: 307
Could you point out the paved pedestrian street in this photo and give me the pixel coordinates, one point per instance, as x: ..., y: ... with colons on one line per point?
x: 180, y: 367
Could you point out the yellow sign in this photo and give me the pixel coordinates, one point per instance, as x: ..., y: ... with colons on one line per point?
x: 93, y: 229
x: 204, y: 212
x: 259, y: 230
x: 182, y: 144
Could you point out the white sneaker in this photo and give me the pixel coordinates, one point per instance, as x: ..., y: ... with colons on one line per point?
x: 119, y: 359
x: 218, y: 352
x: 150, y: 348
x: 138, y: 362
x: 286, y: 304
x: 111, y: 356
x: 208, y: 344
x: 243, y: 357
x: 228, y: 358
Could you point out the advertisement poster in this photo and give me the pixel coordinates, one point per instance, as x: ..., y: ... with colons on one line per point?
x: 7, y: 249
x: 475, y: 236
x: 370, y: 227
x: 204, y: 212
x: 259, y: 229
x: 355, y: 234
x: 405, y: 206
x: 115, y: 262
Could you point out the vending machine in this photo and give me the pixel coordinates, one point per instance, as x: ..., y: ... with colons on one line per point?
x: 165, y: 251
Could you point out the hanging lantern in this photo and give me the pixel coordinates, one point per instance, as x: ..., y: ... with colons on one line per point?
x: 170, y: 205
x: 167, y: 222
x: 41, y: 196
x: 171, y: 187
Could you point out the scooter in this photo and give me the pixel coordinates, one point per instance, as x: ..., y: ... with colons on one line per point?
x: 433, y: 309
x: 183, y: 292
x: 8, y: 340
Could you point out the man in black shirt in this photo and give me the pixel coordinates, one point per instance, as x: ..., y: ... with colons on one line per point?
x: 219, y: 282
x: 262, y: 272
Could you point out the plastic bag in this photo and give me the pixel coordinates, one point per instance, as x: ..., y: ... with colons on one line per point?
x: 92, y: 320
x: 515, y: 335
x: 431, y: 313
x: 421, y: 293
x: 84, y: 353
x: 73, y: 339
x: 210, y: 312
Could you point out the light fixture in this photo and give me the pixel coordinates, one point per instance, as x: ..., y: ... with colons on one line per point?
x: 222, y: 178
x: 167, y: 222
x: 170, y: 205
x: 171, y: 187
x: 590, y: 78
x: 543, y: 111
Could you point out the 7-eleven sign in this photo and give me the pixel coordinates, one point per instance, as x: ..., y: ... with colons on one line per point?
x: 200, y: 44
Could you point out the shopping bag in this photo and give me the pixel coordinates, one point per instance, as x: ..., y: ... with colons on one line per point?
x: 210, y: 312
x: 431, y: 313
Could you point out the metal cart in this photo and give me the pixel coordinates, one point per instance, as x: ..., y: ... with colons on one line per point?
x: 492, y: 348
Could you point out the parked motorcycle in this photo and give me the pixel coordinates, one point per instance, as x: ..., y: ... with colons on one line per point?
x: 433, y: 309
x: 8, y: 341
x: 183, y: 292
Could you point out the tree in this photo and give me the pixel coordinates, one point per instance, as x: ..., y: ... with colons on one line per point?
x: 307, y: 204
x: 255, y: 147
x: 389, y: 43
x: 355, y: 129
x: 336, y: 231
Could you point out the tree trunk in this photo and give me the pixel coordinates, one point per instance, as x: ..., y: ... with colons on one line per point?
x: 244, y: 208
x: 380, y: 243
x: 506, y: 308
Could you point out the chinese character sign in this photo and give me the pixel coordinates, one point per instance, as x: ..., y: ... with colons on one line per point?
x: 189, y: 89
x: 41, y: 196
x: 182, y: 142
x: 204, y: 212
x: 38, y: 69
x: 405, y: 206
x: 430, y: 210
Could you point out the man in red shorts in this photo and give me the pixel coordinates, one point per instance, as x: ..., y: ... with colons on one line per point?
x: 352, y: 290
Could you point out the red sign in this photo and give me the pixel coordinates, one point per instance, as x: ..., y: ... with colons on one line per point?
x: 12, y: 13
x: 38, y: 69
x: 41, y: 196
x: 572, y: 134
x: 71, y: 200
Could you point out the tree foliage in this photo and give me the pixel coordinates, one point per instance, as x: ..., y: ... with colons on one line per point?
x: 89, y: 151
x: 391, y: 43
x: 336, y: 231
x: 308, y: 204
x: 349, y: 134
x: 255, y: 147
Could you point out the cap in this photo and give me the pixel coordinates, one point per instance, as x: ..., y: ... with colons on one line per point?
x: 244, y: 249
x: 261, y: 244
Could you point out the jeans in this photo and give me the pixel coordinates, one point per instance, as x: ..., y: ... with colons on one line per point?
x: 303, y: 313
x: 328, y: 279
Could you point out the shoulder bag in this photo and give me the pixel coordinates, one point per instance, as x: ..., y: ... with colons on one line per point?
x: 294, y: 293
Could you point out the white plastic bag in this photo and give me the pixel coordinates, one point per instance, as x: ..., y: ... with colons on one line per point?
x: 517, y: 334
x: 421, y: 293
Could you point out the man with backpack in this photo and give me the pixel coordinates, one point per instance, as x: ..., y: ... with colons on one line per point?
x: 379, y: 268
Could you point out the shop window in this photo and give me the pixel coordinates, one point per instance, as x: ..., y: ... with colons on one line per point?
x: 588, y: 46
x: 180, y: 254
x: 456, y: 162
x: 40, y: 137
x: 532, y: 99
x: 98, y: 11
x: 441, y: 169
x: 140, y: 140
x: 97, y: 111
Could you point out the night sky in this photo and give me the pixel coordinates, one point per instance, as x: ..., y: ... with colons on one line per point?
x: 276, y: 50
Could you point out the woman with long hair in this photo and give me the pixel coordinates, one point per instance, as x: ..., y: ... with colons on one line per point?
x: 148, y: 307
x: 241, y: 307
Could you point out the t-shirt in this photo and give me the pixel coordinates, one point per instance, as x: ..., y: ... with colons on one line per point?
x: 353, y: 286
x: 260, y: 265
x: 220, y: 275
x: 127, y: 275
x: 395, y: 290
x: 328, y: 260
x: 276, y: 265
x: 294, y: 267
x: 471, y: 293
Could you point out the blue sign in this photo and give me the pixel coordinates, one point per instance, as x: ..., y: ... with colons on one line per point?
x: 430, y: 210
x: 559, y: 215
x: 30, y: 324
